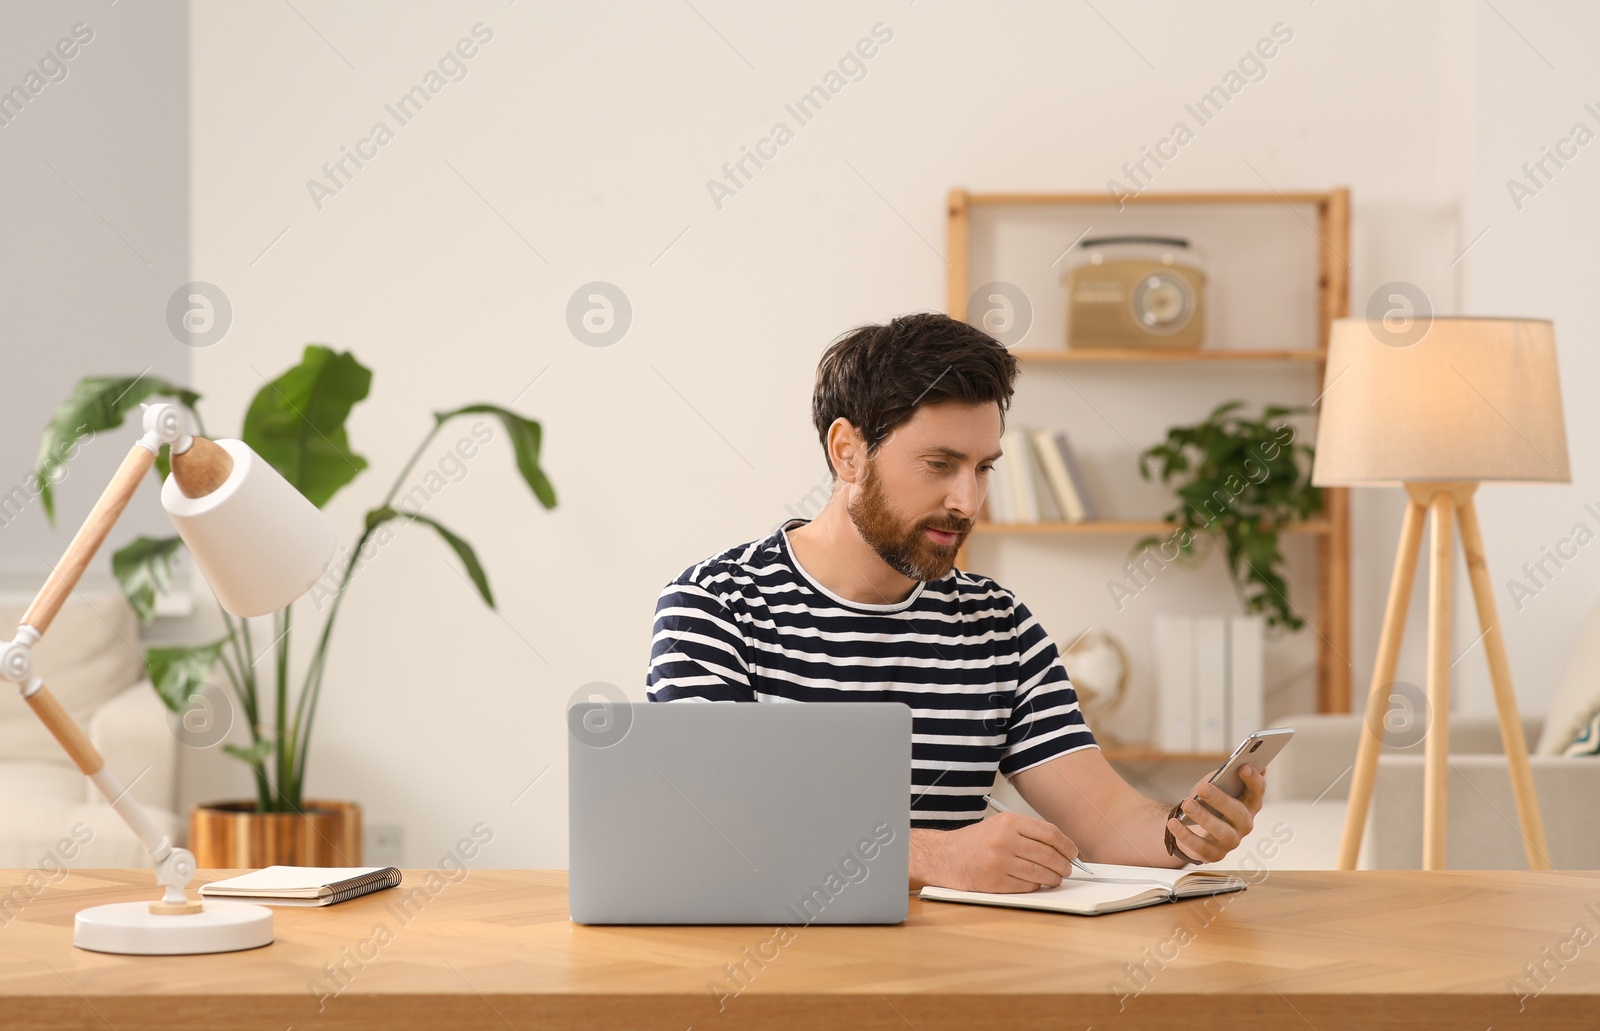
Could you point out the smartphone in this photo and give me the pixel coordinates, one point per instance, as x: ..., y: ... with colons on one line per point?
x: 1256, y: 750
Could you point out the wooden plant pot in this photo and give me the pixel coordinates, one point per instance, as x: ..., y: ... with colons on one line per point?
x: 232, y: 835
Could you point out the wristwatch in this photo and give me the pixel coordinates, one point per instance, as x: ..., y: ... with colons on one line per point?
x: 1172, y: 843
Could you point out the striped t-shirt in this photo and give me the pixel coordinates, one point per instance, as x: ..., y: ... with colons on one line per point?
x: 984, y: 682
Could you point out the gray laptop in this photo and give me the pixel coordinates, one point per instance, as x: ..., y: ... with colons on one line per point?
x: 739, y: 813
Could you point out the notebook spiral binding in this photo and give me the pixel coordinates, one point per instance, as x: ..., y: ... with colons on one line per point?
x: 372, y: 882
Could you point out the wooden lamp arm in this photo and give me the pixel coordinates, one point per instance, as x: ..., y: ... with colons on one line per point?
x: 163, y: 425
x: 113, y: 500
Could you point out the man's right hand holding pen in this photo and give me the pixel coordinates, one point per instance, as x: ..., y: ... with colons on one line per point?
x: 1007, y: 852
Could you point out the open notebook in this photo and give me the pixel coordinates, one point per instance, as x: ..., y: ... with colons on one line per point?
x: 303, y: 885
x: 1112, y: 889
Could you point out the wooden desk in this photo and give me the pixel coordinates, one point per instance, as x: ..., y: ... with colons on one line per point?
x: 1325, y: 950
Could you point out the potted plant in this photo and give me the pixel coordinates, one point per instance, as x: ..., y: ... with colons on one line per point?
x: 1241, y: 481
x: 296, y: 423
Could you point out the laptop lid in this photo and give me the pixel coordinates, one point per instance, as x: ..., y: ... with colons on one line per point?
x: 739, y: 813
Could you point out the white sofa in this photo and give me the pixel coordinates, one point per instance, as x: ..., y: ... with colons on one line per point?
x: 1483, y: 828
x: 1308, y: 789
x: 50, y: 814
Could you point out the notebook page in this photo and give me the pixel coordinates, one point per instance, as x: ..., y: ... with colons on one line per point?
x: 1074, y: 895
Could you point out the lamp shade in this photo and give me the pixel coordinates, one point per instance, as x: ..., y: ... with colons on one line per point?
x: 258, y: 542
x: 1474, y: 400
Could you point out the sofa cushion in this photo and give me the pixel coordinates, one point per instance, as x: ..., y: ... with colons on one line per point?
x: 1578, y: 697
x: 49, y: 837
x: 38, y: 780
x: 89, y: 654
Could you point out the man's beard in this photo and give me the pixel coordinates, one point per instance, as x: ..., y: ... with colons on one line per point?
x: 908, y: 551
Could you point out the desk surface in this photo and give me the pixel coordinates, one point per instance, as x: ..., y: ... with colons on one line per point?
x: 1328, y: 950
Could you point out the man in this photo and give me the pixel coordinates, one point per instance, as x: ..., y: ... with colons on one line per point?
x: 864, y: 603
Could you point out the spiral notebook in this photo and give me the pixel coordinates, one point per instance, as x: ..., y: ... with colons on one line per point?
x: 1112, y: 889
x: 303, y: 885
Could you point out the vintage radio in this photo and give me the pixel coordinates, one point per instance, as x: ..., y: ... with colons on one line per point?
x: 1136, y: 291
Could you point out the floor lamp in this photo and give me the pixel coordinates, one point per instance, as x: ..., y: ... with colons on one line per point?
x: 1473, y: 400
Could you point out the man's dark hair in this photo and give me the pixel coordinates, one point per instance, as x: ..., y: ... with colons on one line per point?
x: 878, y: 376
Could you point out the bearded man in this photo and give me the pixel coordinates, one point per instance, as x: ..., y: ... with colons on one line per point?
x: 864, y: 603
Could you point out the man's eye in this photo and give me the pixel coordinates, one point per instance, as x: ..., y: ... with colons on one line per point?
x: 986, y: 468
x: 941, y: 466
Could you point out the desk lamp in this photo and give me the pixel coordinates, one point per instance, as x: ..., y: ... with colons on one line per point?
x: 1473, y: 400
x: 260, y: 545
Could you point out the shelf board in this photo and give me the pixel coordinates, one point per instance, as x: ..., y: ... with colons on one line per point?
x: 1139, y: 354
x: 1146, y: 753
x: 1106, y: 197
x: 1103, y: 526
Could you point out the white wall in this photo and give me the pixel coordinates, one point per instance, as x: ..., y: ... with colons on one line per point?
x: 578, y: 147
x: 1534, y: 80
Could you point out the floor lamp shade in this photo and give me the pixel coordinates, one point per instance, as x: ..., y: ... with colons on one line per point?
x: 256, y: 539
x: 1475, y: 400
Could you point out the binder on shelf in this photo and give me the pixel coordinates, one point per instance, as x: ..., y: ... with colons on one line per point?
x: 1246, y: 676
x: 1211, y: 683
x: 1175, y: 693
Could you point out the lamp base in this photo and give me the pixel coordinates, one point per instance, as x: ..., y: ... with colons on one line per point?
x: 130, y: 929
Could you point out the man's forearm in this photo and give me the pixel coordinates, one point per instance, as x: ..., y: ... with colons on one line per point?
x: 925, y: 856
x: 1139, y: 834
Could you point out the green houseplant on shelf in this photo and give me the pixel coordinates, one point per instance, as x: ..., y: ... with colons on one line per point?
x: 295, y: 422
x: 1242, y: 481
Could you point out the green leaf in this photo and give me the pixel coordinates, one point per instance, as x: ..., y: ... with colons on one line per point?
x: 463, y: 550
x: 179, y: 672
x: 252, y: 754
x: 143, y: 569
x: 296, y: 422
x: 524, y: 434
x: 97, y: 403
x: 1231, y: 492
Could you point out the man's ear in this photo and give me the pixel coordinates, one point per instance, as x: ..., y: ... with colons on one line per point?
x: 846, y: 450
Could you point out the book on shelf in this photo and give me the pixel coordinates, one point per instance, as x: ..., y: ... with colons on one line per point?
x: 1050, y: 510
x: 1024, y: 504
x: 1039, y: 480
x: 998, y: 498
x: 1055, y: 467
x: 1111, y: 889
x: 1080, y: 486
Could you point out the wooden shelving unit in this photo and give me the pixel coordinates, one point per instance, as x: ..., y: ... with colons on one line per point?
x: 1125, y: 526
x: 1332, y: 530
x: 1123, y: 354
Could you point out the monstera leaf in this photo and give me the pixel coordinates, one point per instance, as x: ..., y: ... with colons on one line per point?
x: 143, y: 568
x: 179, y: 673
x: 97, y: 403
x: 296, y: 422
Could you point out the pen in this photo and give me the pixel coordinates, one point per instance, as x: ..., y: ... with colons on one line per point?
x: 997, y: 807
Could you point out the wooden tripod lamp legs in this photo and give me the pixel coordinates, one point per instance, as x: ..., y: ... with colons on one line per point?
x: 1505, y: 698
x: 1394, y: 629
x: 1440, y: 500
x: 1436, y: 758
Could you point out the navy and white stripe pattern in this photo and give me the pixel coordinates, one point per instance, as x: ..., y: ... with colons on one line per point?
x: 984, y: 682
